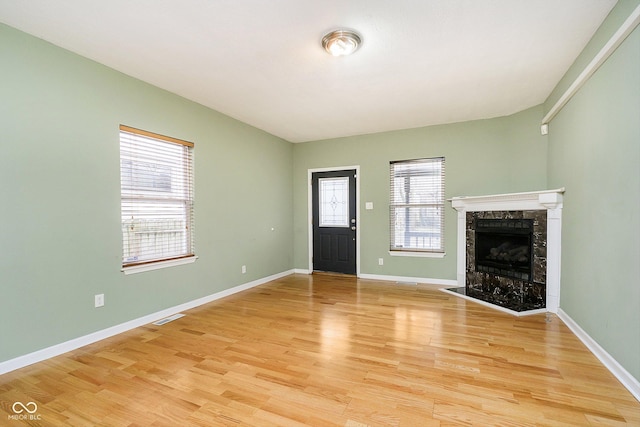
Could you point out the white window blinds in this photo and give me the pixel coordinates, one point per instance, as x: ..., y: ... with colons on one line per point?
x: 156, y: 176
x: 416, y: 207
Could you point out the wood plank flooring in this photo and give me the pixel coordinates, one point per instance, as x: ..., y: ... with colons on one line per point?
x: 326, y: 350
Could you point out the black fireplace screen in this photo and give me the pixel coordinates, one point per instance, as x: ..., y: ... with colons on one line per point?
x: 504, y: 247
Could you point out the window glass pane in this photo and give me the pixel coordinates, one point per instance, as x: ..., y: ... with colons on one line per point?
x: 417, y: 205
x: 153, y: 230
x: 417, y: 228
x: 156, y: 199
x: 334, y: 202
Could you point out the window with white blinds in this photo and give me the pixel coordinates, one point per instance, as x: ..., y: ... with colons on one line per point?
x: 416, y: 208
x: 156, y: 177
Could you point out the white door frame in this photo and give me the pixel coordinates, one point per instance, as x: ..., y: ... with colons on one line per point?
x: 310, y: 173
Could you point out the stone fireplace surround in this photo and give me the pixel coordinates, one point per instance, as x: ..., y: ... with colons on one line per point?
x: 518, y: 205
x: 502, y: 288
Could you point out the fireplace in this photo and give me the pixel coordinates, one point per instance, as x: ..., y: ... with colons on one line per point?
x: 506, y: 258
x: 505, y: 247
x: 509, y: 249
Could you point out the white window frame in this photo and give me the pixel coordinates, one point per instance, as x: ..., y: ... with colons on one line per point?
x: 430, y: 197
x: 156, y: 176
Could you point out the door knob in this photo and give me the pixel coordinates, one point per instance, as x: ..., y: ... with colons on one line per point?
x: 353, y: 227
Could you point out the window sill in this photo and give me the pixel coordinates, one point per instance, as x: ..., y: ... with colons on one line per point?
x: 158, y: 265
x: 418, y: 254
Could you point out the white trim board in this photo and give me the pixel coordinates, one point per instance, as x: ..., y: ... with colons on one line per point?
x: 627, y: 380
x: 58, y: 349
x: 400, y: 279
x: 408, y: 279
x: 601, y: 57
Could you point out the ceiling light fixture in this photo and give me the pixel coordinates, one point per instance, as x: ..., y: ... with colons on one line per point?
x: 341, y: 42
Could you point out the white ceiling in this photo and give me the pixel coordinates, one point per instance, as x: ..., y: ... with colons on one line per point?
x: 422, y: 62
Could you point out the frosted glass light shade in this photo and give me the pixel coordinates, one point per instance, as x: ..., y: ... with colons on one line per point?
x: 341, y: 42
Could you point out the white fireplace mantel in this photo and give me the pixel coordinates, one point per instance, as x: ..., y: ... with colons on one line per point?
x: 533, y: 200
x: 549, y: 200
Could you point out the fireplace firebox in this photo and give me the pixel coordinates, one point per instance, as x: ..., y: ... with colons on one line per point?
x: 504, y: 247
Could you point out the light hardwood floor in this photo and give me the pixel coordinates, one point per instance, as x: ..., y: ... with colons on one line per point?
x: 327, y: 350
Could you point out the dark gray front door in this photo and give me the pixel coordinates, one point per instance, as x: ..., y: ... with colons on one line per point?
x: 334, y: 221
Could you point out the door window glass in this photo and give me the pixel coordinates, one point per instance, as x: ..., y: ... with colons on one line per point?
x: 334, y: 202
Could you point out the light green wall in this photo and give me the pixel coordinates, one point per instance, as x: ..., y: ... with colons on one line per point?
x: 493, y: 156
x: 594, y: 151
x: 60, y: 238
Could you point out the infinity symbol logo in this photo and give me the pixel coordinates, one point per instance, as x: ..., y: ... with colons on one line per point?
x: 30, y: 407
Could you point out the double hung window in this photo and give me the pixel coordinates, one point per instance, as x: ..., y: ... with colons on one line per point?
x: 156, y: 177
x: 416, y: 208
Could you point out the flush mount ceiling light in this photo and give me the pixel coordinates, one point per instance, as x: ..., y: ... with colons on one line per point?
x: 341, y: 42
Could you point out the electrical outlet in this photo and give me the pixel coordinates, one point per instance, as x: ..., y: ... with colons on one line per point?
x: 380, y: 261
x: 244, y: 269
x: 99, y: 300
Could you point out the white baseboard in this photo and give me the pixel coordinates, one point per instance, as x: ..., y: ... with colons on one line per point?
x: 407, y: 279
x: 58, y: 349
x: 627, y: 380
